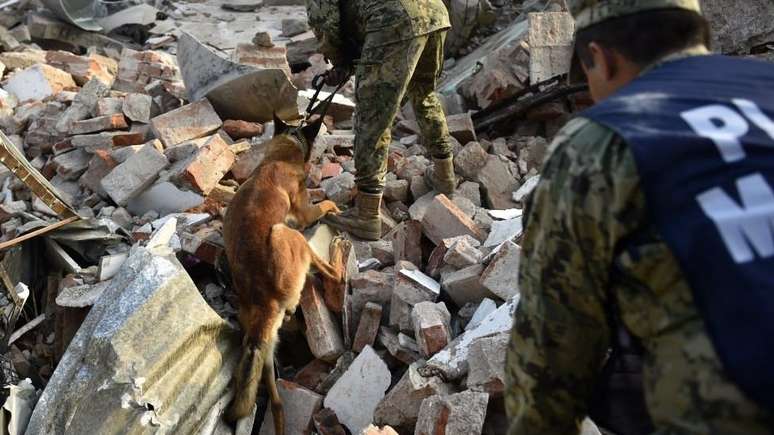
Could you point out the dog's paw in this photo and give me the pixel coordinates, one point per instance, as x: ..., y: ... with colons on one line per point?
x: 329, y: 207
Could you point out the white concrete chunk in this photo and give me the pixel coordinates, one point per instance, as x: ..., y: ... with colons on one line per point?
x: 356, y: 394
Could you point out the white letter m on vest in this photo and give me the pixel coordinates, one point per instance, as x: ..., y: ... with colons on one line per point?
x: 748, y: 228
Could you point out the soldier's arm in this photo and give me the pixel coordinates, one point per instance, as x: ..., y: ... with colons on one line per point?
x: 325, y: 21
x: 561, y: 335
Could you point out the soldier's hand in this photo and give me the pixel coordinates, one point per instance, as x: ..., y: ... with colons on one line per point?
x: 337, y: 75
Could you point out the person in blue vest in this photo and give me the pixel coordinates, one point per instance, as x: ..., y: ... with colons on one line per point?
x: 655, y: 206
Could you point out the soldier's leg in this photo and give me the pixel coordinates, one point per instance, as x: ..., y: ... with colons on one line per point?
x: 424, y: 98
x: 382, y: 77
x: 430, y: 115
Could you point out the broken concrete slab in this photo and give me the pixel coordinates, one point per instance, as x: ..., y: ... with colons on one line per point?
x: 453, y: 361
x: 400, y: 407
x: 130, y: 178
x: 163, y: 198
x: 486, y: 307
x: 207, y: 166
x: 191, y: 121
x: 405, y: 242
x: 464, y: 285
x: 470, y: 160
x: 497, y: 183
x: 431, y: 327
x: 236, y: 91
x: 356, y: 394
x: 461, y: 413
x: 502, y: 231
x: 39, y: 82
x: 340, y: 189
x: 368, y: 327
x: 461, y: 253
x: 526, y: 189
x: 84, y: 68
x: 299, y: 405
x: 322, y: 333
x: 100, y: 123
x: 461, y: 128
x: 501, y: 275
x: 443, y: 219
x: 137, y: 107
x: 738, y: 25
x: 550, y: 38
x: 486, y: 362
x: 151, y: 353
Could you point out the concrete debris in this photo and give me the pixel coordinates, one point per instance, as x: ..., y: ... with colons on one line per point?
x: 322, y: 333
x: 482, y: 310
x: 39, y: 82
x: 151, y: 304
x: 464, y: 285
x: 443, y: 219
x: 526, y: 189
x: 502, y: 231
x: 486, y: 363
x: 356, y: 394
x: 499, y: 277
x: 299, y: 405
x: 431, y: 327
x: 192, y: 121
x: 400, y: 407
x: 550, y: 43
x: 237, y: 91
x: 453, y: 414
x: 368, y: 327
x: 130, y: 178
x: 453, y: 360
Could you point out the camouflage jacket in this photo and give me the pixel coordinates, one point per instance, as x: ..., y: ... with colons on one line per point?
x: 343, y: 32
x: 588, y: 235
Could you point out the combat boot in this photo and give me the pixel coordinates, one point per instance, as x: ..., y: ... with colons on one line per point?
x: 440, y: 177
x: 362, y: 221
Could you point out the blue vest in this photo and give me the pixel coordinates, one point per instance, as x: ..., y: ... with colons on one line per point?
x: 701, y: 130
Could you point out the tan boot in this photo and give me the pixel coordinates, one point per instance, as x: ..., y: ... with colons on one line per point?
x: 440, y: 177
x: 362, y: 221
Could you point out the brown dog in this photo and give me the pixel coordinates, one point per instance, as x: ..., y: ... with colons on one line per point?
x: 269, y: 260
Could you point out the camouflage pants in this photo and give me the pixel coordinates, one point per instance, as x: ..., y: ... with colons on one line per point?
x: 385, y: 75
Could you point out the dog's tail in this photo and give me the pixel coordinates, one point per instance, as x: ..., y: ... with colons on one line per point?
x: 247, y: 378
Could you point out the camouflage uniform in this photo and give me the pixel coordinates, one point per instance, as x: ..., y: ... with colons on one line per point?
x: 586, y: 207
x: 400, y: 48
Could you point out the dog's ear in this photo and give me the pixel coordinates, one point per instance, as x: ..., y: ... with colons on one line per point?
x: 310, y: 132
x: 279, y: 126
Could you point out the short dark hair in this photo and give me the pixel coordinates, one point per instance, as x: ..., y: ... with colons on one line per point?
x: 645, y: 37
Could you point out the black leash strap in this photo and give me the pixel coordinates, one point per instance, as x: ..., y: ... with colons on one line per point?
x: 318, y: 83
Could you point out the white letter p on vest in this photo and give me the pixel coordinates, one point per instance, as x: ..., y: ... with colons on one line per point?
x: 725, y: 131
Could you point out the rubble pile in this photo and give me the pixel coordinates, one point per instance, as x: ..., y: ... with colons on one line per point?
x: 147, y: 143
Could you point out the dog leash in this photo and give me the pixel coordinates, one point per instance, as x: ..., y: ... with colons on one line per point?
x: 318, y: 83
